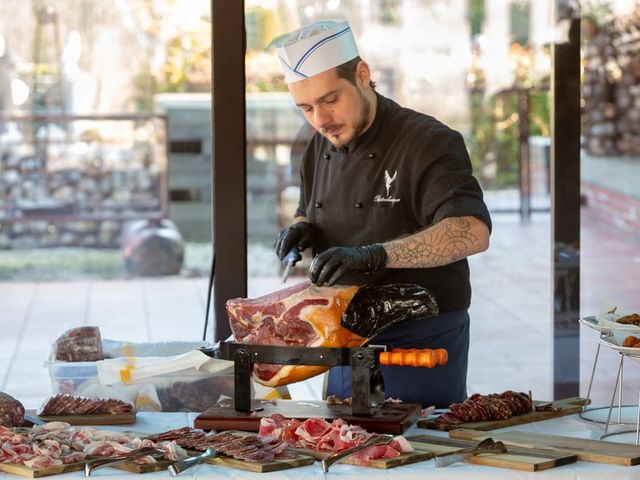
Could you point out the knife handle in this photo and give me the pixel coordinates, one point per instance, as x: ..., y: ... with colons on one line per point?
x: 415, y: 357
x: 292, y: 257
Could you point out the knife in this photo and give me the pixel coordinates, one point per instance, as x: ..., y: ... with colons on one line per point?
x: 336, y: 457
x: 34, y: 419
x: 290, y: 260
x: 93, y: 465
x: 488, y: 445
x: 181, y: 465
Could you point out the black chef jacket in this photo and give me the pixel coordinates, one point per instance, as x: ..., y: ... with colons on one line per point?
x: 407, y: 171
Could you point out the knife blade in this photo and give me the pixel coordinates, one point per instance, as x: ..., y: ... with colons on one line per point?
x: 488, y: 445
x: 289, y: 261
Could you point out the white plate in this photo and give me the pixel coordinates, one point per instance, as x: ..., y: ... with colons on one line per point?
x: 612, y: 343
x: 592, y: 322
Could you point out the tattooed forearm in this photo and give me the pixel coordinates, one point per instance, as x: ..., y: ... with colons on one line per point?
x: 446, y: 242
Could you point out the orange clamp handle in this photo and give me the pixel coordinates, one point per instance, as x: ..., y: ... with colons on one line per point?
x: 415, y: 357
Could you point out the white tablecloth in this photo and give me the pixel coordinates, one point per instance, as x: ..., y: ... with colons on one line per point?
x: 567, y: 426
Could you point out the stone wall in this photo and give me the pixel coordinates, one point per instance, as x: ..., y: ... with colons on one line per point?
x: 611, y: 87
x: 77, y: 187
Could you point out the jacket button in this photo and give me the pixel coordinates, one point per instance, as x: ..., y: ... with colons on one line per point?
x: 358, y: 205
x: 327, y: 156
x: 317, y: 205
x: 372, y: 155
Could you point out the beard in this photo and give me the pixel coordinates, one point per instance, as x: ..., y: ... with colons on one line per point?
x: 359, y: 125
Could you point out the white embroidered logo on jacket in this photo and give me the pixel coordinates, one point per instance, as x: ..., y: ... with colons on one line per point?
x: 388, y: 180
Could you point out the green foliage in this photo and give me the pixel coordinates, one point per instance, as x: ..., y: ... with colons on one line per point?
x: 494, y: 143
x: 476, y: 16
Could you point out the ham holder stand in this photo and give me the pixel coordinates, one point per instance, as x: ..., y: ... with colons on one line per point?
x: 368, y: 407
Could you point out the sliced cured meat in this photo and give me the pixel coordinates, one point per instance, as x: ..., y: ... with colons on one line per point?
x: 487, y: 407
x: 342, y: 436
x: 371, y: 453
x: 42, y: 462
x: 308, y: 315
x: 57, y: 443
x: 280, y: 427
x: 336, y: 437
x: 401, y: 444
x: 311, y: 431
x: 63, y: 404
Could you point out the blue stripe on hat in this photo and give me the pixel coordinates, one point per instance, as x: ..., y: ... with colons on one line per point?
x: 318, y: 45
x: 284, y: 62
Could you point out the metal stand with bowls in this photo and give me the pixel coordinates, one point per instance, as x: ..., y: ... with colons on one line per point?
x: 612, y: 336
x: 587, y: 412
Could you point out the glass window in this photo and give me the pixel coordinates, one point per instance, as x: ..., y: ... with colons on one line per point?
x: 610, y: 167
x: 485, y: 80
x: 105, y: 177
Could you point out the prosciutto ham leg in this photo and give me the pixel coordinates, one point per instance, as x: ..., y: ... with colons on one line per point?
x: 312, y: 316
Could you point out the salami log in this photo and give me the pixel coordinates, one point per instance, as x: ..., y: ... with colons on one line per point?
x: 11, y: 411
x: 81, y: 344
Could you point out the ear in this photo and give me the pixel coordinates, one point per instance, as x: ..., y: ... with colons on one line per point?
x: 363, y: 74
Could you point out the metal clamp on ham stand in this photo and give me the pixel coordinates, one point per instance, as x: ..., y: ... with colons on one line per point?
x: 368, y: 385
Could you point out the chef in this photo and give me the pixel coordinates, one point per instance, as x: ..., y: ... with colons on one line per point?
x: 387, y: 196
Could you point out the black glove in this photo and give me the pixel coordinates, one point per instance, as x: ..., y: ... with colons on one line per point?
x: 329, y: 266
x: 299, y: 235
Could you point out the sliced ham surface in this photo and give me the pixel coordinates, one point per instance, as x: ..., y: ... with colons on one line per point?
x: 335, y: 437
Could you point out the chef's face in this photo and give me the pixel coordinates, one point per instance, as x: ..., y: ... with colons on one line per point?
x: 334, y: 106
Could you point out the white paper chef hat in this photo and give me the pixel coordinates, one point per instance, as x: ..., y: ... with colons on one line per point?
x: 315, y: 48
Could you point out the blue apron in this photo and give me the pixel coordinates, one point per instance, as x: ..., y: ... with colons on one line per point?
x: 439, y: 386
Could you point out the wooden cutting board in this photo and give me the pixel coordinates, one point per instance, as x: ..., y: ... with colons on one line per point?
x: 389, y: 418
x: 91, y: 419
x: 517, y: 458
x: 138, y: 468
x: 420, y: 454
x: 586, y: 450
x: 272, y: 466
x: 566, y: 406
x: 24, y: 471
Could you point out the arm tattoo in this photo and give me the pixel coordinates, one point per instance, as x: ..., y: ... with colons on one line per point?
x: 448, y: 241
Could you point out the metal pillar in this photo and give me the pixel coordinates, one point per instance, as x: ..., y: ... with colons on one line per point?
x: 229, y: 158
x: 565, y: 207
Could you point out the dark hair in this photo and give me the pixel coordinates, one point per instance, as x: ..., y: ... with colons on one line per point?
x: 347, y: 70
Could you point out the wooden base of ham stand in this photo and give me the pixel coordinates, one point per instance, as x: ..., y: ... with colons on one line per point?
x: 393, y: 418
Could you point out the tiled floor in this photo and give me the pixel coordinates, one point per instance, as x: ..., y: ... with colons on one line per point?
x: 511, y: 313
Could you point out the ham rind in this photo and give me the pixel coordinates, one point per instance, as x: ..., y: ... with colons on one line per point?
x: 312, y: 316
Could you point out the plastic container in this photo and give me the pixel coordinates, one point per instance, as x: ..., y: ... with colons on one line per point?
x: 187, y: 390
